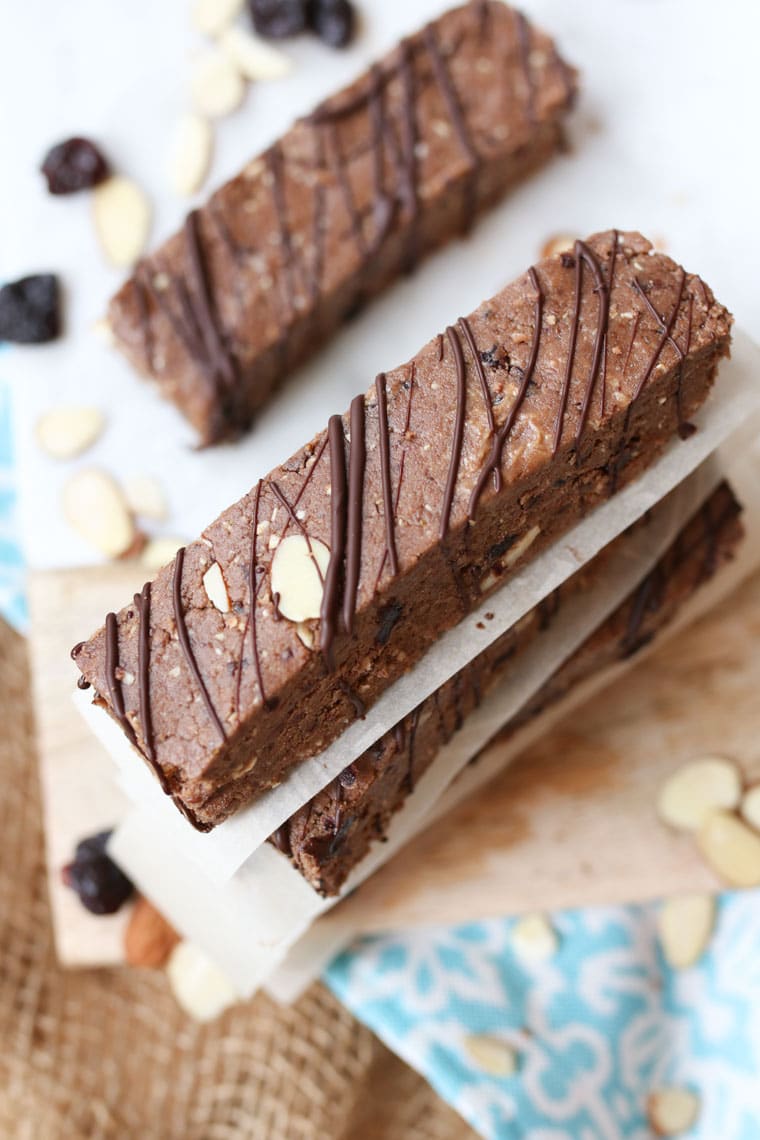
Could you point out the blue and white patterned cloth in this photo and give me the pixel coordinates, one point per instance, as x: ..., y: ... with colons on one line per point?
x: 596, y: 1028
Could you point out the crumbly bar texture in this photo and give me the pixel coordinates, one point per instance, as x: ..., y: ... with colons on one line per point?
x: 331, y: 834
x: 384, y: 172
x: 411, y: 509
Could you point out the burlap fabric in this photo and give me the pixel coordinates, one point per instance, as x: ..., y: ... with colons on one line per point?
x: 107, y: 1054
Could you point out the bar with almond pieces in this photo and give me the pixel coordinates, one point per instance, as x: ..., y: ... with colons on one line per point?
x: 355, y: 194
x: 308, y: 598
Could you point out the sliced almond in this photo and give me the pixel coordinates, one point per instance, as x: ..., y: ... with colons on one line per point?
x: 95, y: 507
x: 698, y: 788
x: 305, y: 634
x: 672, y: 1111
x: 159, y: 552
x: 534, y: 938
x: 254, y: 58
x: 210, y: 17
x: 217, y: 85
x: 685, y: 925
x: 146, y: 497
x: 64, y: 433
x: 731, y: 848
x: 216, y: 588
x: 521, y: 546
x: 122, y: 216
x: 491, y: 1054
x: 190, y: 154
x: 557, y: 243
x: 199, y: 986
x: 750, y: 807
x: 298, y: 570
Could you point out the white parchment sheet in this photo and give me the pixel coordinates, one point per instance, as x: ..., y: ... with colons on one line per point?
x: 220, y: 853
x: 249, y: 924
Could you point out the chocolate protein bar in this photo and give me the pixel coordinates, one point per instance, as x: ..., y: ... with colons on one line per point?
x: 331, y: 834
x: 353, y: 195
x: 304, y: 601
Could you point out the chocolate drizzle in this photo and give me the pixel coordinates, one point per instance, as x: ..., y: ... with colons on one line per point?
x: 184, y: 640
x: 684, y: 429
x: 253, y: 593
x: 454, y: 109
x: 338, y: 533
x: 384, y: 444
x: 464, y: 324
x: 356, y: 464
x: 114, y: 685
x: 458, y: 431
x: 142, y: 606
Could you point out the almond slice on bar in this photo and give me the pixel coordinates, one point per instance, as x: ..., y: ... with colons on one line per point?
x: 190, y: 154
x: 731, y: 848
x: 122, y: 215
x: 672, y: 1110
x: 96, y: 509
x: 216, y: 588
x: 698, y: 788
x: 217, y: 85
x: 685, y: 924
x: 64, y: 433
x: 297, y: 576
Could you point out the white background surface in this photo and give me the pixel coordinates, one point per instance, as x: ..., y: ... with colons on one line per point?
x: 664, y: 140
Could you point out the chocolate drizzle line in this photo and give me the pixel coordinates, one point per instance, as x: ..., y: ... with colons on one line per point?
x: 384, y: 443
x: 684, y: 429
x: 114, y: 686
x: 220, y: 361
x: 451, y: 99
x: 401, y: 466
x: 356, y: 464
x: 253, y: 593
x: 464, y: 324
x: 666, y: 330
x: 338, y: 527
x: 142, y: 605
x: 184, y: 641
x: 497, y: 444
x: 458, y: 433
x: 602, y: 290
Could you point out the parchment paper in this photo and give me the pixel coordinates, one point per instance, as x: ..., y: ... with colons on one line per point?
x: 219, y: 854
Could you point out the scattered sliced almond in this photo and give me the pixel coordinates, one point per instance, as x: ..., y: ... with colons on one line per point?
x: 685, y: 925
x: 557, y: 243
x: 122, y: 215
x: 515, y: 552
x: 64, y: 433
x: 254, y: 58
x: 146, y: 497
x: 159, y: 552
x: 731, y: 848
x: 672, y: 1111
x: 491, y: 1054
x: 305, y: 634
x: 190, y: 154
x: 95, y: 507
x: 149, y: 939
x: 217, y: 85
x: 210, y: 17
x: 750, y: 807
x: 534, y: 938
x: 216, y: 588
x: 295, y: 578
x: 199, y: 986
x: 698, y: 788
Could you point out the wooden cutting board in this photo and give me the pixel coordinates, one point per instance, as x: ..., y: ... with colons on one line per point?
x: 572, y: 823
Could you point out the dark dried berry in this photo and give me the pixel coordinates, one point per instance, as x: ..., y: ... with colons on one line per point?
x: 30, y: 310
x: 334, y: 21
x: 73, y: 165
x: 102, y: 888
x: 279, y: 19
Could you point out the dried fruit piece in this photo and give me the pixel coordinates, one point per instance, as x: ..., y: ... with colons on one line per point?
x: 216, y: 588
x: 96, y: 509
x: 64, y: 433
x: 217, y: 86
x: 158, y: 552
x: 190, y: 154
x: 334, y: 21
x: 101, y: 886
x: 201, y: 989
x: 122, y: 217
x: 279, y: 19
x: 149, y: 939
x: 491, y: 1054
x: 697, y: 788
x: 750, y: 807
x: 73, y: 165
x: 685, y: 924
x: 211, y: 17
x: 30, y: 311
x: 534, y: 938
x: 672, y: 1111
x: 731, y: 848
x: 253, y: 58
x: 145, y: 497
x: 297, y: 576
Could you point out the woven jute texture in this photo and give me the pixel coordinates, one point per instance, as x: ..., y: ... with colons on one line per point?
x: 107, y: 1055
